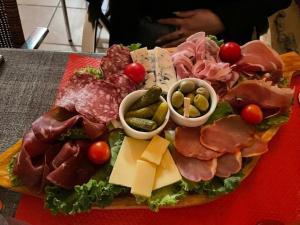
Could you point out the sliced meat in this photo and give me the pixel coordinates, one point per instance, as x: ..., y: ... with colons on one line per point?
x: 71, y: 165
x: 187, y: 143
x: 33, y: 146
x: 116, y: 59
x: 52, y: 124
x: 257, y: 57
x: 195, y: 169
x: 257, y: 148
x: 229, y: 164
x: 227, y: 135
x: 261, y: 93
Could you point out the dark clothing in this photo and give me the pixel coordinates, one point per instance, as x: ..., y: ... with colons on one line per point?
x: 238, y: 16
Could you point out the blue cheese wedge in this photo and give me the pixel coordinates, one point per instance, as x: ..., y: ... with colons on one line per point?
x: 164, y: 69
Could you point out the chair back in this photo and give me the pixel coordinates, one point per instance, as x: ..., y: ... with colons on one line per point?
x: 11, y: 32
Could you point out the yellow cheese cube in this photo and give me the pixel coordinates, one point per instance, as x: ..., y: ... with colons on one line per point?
x: 124, y: 170
x: 167, y: 172
x: 144, y: 178
x: 155, y: 150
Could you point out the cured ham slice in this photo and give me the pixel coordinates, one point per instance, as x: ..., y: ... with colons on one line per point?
x: 257, y: 56
x: 229, y: 164
x: 257, y: 148
x: 227, y: 135
x: 71, y: 165
x: 194, y: 169
x: 261, y: 93
x: 188, y: 144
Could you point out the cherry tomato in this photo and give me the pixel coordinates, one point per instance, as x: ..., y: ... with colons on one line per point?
x: 99, y: 152
x: 252, y: 114
x: 230, y: 52
x: 136, y: 72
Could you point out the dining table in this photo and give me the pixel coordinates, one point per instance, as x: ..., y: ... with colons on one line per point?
x: 29, y: 80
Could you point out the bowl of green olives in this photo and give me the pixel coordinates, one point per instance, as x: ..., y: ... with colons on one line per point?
x: 191, y: 102
x: 144, y: 113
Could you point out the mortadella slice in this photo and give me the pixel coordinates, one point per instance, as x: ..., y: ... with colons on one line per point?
x: 195, y: 169
x: 229, y: 164
x: 227, y: 135
x: 188, y: 144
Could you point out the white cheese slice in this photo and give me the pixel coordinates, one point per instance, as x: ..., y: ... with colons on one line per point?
x: 155, y: 150
x: 167, y: 172
x: 164, y: 69
x: 144, y: 178
x: 124, y: 170
x: 141, y: 56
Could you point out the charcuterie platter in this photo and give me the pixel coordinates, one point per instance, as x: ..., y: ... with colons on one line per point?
x: 154, y: 128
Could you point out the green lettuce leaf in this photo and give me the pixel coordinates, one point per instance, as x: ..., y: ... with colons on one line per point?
x: 96, y: 72
x: 134, y: 46
x: 273, y: 121
x: 223, y: 109
x: 74, y: 133
x: 115, y: 140
x: 215, y: 39
x: 15, y: 180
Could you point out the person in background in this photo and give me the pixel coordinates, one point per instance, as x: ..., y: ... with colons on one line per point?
x: 168, y: 23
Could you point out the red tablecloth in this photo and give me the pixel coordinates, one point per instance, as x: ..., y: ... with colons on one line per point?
x: 272, y: 191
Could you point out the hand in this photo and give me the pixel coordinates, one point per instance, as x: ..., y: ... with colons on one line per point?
x: 188, y: 23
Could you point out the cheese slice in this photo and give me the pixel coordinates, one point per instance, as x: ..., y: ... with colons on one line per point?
x: 167, y: 172
x: 124, y: 170
x: 155, y: 150
x: 141, y: 56
x: 164, y: 69
x: 144, y: 178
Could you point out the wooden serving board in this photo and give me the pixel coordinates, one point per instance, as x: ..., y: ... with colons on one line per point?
x: 291, y: 65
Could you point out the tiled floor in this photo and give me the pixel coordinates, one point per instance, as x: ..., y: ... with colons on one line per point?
x: 48, y: 13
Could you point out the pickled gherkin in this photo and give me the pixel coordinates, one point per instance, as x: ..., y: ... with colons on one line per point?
x: 141, y: 124
x: 145, y: 113
x: 160, y: 114
x: 150, y: 97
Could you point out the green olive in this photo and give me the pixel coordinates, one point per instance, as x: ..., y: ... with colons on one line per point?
x: 180, y: 111
x: 194, y: 112
x: 187, y: 86
x: 177, y: 99
x: 201, y: 102
x: 191, y: 96
x: 203, y: 91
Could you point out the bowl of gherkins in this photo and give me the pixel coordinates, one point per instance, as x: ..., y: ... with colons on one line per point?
x: 144, y: 113
x: 191, y: 102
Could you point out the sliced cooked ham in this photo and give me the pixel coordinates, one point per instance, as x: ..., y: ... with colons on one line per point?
x: 256, y: 149
x: 195, y: 169
x: 187, y: 143
x: 257, y: 57
x: 71, y: 165
x: 227, y: 135
x: 261, y: 93
x: 229, y: 164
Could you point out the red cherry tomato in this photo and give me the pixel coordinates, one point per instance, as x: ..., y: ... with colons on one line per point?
x: 252, y: 114
x: 136, y: 72
x: 99, y: 152
x: 230, y: 52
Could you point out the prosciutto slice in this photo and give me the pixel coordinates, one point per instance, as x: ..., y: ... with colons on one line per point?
x: 261, y: 93
x: 257, y: 148
x: 187, y: 143
x: 229, y: 164
x: 227, y: 135
x: 195, y: 169
x: 71, y: 165
x: 258, y: 57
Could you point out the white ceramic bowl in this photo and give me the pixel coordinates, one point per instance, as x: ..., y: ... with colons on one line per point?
x: 125, y: 104
x: 192, y: 122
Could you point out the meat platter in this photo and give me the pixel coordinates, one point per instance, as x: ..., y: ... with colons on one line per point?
x: 154, y: 127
